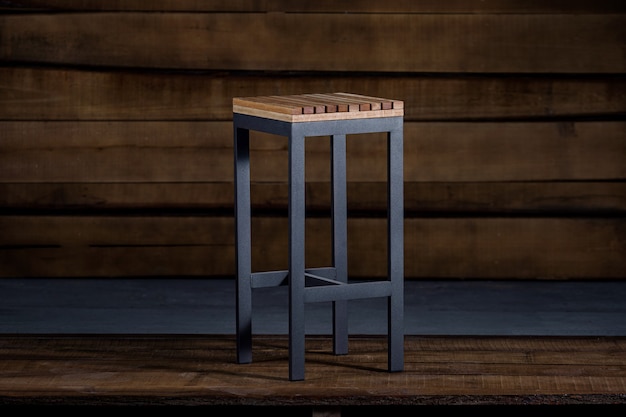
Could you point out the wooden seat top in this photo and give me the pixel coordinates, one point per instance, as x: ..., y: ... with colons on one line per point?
x: 318, y: 107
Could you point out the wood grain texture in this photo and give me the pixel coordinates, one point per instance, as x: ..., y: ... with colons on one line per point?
x: 455, y: 248
x: 473, y: 43
x: 160, y: 152
x: 363, y: 6
x: 116, y: 133
x: 312, y: 116
x: 364, y: 198
x: 318, y: 107
x: 44, y: 93
x: 201, y: 370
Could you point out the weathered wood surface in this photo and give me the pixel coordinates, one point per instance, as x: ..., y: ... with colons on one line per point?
x: 484, y: 247
x: 362, y: 6
x: 474, y: 43
x: 159, y: 152
x: 48, y: 93
x: 318, y: 107
x: 421, y: 198
x: 201, y: 370
x: 118, y: 117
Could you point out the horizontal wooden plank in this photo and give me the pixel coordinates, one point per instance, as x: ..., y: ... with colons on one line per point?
x: 500, y: 43
x: 71, y: 94
x: 155, y: 152
x: 117, y: 152
x: 443, y: 371
x: 367, y: 198
x: 454, y: 248
x: 362, y: 6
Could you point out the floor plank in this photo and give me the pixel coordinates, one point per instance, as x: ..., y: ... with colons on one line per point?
x: 201, y: 370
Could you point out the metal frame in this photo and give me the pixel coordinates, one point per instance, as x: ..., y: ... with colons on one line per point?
x: 319, y: 284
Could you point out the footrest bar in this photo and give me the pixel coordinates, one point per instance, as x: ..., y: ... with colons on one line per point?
x: 347, y: 291
x: 268, y: 279
x: 312, y: 280
x: 327, y: 272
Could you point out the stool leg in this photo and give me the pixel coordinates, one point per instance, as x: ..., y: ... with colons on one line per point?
x: 339, y: 231
x: 296, y: 255
x: 242, y: 249
x: 395, y: 233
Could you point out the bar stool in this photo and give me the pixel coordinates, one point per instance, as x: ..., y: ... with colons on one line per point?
x: 297, y: 117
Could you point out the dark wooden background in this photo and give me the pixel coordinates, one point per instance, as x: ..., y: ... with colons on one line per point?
x: 116, y: 134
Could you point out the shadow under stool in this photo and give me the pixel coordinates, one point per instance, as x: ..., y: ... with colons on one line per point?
x: 297, y: 117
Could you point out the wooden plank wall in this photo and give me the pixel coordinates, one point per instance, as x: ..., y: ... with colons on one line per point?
x: 116, y: 153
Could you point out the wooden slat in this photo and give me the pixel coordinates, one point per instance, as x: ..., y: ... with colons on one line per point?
x: 460, y: 198
x: 148, y: 196
x: 352, y: 104
x: 362, y: 6
x: 267, y: 104
x: 311, y: 116
x: 481, y: 248
x: 289, y: 101
x: 377, y: 103
x: 70, y: 94
x: 116, y: 152
x: 501, y: 43
x: 155, y: 152
x: 201, y: 370
x: 328, y: 107
x: 312, y: 107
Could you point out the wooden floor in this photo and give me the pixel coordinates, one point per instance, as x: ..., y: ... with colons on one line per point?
x: 201, y: 370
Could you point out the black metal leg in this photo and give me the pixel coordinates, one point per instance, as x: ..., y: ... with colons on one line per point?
x: 341, y: 291
x: 395, y: 233
x: 296, y: 254
x: 242, y: 249
x: 339, y: 244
